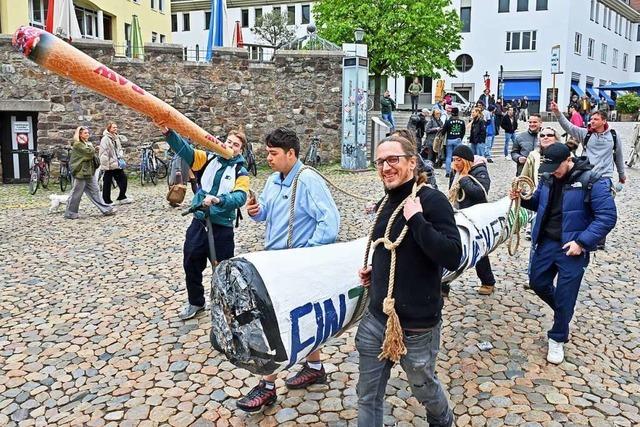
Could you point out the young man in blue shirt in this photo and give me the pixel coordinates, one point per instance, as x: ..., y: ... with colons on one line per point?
x: 316, y: 222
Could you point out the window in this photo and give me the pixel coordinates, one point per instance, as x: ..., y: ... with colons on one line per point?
x: 37, y: 13
x: 614, y: 58
x: 597, y: 12
x: 257, y: 15
x: 609, y: 19
x: 291, y: 15
x: 464, y: 63
x: 542, y: 4
x: 521, y: 40
x: 577, y: 45
x: 127, y: 39
x: 604, y: 16
x: 593, y: 10
x: 591, y: 47
x: 207, y: 20
x: 161, y: 5
x: 603, y: 54
x: 637, y: 67
x: 186, y: 22
x: 163, y: 38
x: 244, y: 18
x: 306, y: 14
x: 615, y: 26
x: 154, y: 37
x: 625, y: 61
x: 465, y: 17
x: 523, y: 5
x: 503, y: 6
x: 638, y: 36
x: 153, y: 4
x: 174, y: 23
x: 88, y: 22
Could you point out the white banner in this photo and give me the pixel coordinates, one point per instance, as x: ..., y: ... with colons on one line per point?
x: 555, y: 59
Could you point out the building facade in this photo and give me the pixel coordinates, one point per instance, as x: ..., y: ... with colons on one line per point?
x: 190, y: 23
x: 97, y: 19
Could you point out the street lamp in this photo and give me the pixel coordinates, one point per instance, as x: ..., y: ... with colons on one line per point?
x: 358, y: 35
x: 487, y: 80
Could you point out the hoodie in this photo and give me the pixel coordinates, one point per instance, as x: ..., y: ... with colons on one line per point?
x: 599, y: 148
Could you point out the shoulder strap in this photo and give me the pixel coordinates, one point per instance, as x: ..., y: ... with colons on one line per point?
x: 614, y: 134
x: 586, y: 139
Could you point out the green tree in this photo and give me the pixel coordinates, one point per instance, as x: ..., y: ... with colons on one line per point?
x: 403, y: 36
x: 273, y: 29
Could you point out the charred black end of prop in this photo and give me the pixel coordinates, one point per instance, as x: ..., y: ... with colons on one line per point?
x: 243, y: 323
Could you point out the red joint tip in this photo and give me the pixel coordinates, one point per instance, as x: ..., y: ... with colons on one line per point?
x: 26, y: 38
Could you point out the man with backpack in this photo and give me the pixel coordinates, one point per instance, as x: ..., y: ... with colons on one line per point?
x: 575, y: 211
x: 601, y: 144
x: 223, y: 188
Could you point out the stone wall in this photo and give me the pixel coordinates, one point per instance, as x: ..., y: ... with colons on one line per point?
x: 300, y: 89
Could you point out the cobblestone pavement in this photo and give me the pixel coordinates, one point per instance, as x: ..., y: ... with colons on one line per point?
x: 89, y: 333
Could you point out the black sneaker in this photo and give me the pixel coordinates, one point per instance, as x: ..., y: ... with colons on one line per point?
x: 444, y: 291
x: 306, y: 377
x: 259, y: 397
x: 489, y: 160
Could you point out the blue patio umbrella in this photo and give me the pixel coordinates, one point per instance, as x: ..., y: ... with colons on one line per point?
x: 216, y: 24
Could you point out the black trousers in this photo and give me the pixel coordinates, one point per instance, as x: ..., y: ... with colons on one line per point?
x: 483, y: 270
x: 196, y: 254
x: 414, y: 103
x: 120, y: 178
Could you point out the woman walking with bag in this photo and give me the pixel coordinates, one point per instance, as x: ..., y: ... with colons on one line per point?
x: 113, y: 164
x: 84, y: 163
x: 468, y: 186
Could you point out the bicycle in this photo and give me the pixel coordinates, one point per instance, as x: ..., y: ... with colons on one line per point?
x: 65, y: 170
x: 40, y: 171
x: 312, y: 158
x: 114, y: 184
x: 250, y: 159
x: 148, y: 166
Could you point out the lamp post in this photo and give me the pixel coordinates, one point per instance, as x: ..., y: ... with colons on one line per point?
x: 487, y: 81
x: 355, y: 82
x: 501, y: 83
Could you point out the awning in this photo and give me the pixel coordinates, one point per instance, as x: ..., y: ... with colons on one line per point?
x: 519, y: 88
x: 622, y: 86
x: 577, y: 89
x: 592, y: 92
x: 607, y: 97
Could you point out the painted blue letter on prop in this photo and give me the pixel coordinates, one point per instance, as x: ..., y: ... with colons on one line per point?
x: 296, y: 345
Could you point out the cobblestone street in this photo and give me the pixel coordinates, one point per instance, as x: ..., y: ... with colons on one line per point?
x: 89, y: 333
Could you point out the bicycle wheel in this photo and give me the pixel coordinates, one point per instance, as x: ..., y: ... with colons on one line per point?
x: 34, y: 180
x: 162, y: 170
x: 46, y: 176
x: 153, y: 176
x: 64, y: 178
x: 143, y: 172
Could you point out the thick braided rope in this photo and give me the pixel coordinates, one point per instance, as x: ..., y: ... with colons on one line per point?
x: 393, y: 347
x: 294, y: 188
x: 526, y: 186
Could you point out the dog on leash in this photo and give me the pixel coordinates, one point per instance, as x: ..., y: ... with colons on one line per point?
x: 57, y: 200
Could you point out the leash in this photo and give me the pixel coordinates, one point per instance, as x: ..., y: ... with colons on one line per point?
x: 525, y: 187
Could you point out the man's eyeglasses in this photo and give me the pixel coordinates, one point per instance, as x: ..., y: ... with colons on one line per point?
x: 391, y: 160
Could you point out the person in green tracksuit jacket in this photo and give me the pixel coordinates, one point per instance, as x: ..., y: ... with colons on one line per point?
x: 414, y: 90
x: 387, y: 105
x: 224, y: 186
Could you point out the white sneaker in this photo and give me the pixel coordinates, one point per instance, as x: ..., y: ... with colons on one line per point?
x: 555, y: 354
x: 125, y: 201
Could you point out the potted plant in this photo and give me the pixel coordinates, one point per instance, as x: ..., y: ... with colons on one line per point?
x: 628, y: 106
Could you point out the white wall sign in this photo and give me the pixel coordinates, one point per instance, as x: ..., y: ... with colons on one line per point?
x: 555, y: 59
x: 21, y: 127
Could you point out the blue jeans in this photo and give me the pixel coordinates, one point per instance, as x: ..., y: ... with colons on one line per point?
x: 488, y: 144
x: 451, y: 145
x: 548, y: 261
x: 478, y: 149
x: 389, y: 118
x: 419, y: 364
x: 508, y: 137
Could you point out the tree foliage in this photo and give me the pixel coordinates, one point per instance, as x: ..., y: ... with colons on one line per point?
x: 628, y: 103
x: 403, y: 36
x: 272, y: 28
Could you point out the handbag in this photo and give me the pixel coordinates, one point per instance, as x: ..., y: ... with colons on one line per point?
x: 96, y: 162
x: 176, y: 194
x: 122, y: 164
x: 438, y: 142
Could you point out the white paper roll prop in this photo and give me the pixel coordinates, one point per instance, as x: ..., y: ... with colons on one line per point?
x: 270, y: 309
x: 60, y: 57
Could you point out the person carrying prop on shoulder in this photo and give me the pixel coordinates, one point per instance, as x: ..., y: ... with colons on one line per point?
x: 224, y: 186
x: 575, y: 210
x: 469, y: 185
x: 316, y: 221
x: 413, y: 238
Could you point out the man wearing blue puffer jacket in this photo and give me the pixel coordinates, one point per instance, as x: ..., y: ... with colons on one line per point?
x: 224, y: 185
x: 575, y: 211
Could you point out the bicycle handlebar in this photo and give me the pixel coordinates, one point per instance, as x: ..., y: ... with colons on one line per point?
x: 192, y: 209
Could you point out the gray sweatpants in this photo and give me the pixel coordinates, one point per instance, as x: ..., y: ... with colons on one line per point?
x: 90, y: 187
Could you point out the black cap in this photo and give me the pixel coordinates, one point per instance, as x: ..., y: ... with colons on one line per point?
x: 553, y: 155
x: 464, y: 152
x: 454, y: 111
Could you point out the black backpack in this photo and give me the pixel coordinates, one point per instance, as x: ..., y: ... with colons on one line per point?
x: 613, y: 134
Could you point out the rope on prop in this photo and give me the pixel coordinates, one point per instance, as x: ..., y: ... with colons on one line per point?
x: 393, y: 347
x: 525, y: 187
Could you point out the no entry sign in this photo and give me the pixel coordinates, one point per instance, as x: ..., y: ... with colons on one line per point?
x: 22, y: 138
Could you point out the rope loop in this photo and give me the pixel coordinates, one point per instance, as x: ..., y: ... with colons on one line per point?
x: 525, y: 187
